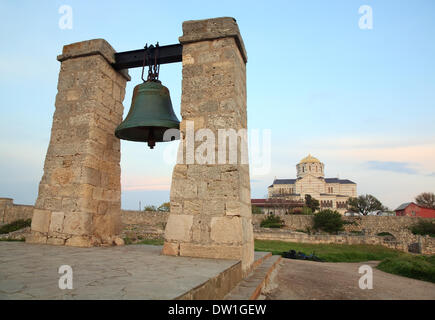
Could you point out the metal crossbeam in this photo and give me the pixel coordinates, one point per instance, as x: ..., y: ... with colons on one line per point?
x: 134, y: 59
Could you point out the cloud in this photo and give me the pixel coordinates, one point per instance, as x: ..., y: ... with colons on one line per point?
x: 400, y: 167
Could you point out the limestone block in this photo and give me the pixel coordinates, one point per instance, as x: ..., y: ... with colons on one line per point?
x: 226, y: 230
x: 106, y: 225
x: 201, y: 229
x: 36, y: 238
x: 233, y: 208
x: 56, y: 241
x: 192, y: 207
x: 77, y: 223
x: 56, y: 223
x: 179, y: 227
x: 176, y: 207
x: 211, y: 251
x: 41, y: 220
x: 171, y: 249
x: 79, y: 241
x: 119, y: 241
x: 214, y: 207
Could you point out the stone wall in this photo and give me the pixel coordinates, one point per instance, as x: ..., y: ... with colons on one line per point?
x: 151, y: 218
x: 151, y: 224
x: 10, y: 212
x: 427, y: 244
x: 371, y: 225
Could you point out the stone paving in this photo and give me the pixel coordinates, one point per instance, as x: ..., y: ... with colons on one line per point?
x: 30, y: 271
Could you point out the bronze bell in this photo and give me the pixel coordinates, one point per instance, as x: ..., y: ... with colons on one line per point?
x: 151, y: 112
x: 150, y: 115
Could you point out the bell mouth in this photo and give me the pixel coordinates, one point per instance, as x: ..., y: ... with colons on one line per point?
x: 148, y: 133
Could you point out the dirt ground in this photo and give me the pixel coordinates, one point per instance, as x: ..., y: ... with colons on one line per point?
x: 307, y: 280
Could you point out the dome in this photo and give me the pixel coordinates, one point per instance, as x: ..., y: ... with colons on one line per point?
x: 309, y: 159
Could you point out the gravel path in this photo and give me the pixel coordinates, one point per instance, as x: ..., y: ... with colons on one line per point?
x: 307, y: 280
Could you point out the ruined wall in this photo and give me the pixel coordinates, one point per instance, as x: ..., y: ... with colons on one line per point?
x: 427, y: 243
x: 372, y: 225
x: 10, y: 212
x: 150, y: 225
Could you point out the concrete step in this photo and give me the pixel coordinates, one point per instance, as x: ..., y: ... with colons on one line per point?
x: 250, y: 287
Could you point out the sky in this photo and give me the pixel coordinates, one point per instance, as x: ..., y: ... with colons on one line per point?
x: 360, y: 100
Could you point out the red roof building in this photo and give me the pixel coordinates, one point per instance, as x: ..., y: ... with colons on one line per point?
x: 414, y: 210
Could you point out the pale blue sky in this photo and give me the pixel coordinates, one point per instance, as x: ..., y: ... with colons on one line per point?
x: 362, y: 101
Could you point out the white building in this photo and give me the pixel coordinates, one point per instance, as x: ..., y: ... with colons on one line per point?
x: 332, y: 193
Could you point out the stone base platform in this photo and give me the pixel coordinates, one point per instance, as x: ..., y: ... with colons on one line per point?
x: 30, y: 271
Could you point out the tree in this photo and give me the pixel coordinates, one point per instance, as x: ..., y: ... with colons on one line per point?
x: 329, y: 221
x: 426, y: 199
x: 165, y: 207
x: 312, y: 203
x: 365, y: 204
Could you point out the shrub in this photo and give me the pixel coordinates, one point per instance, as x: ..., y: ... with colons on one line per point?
x: 423, y: 227
x: 128, y: 241
x: 15, y: 225
x: 150, y: 208
x: 306, y: 210
x: 357, y: 233
x: 256, y: 210
x: 329, y: 221
x: 272, y: 221
x: 296, y: 211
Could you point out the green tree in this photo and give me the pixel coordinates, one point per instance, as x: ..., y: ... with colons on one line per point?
x: 365, y: 204
x: 312, y: 203
x: 329, y: 221
x: 165, y: 207
x: 426, y: 199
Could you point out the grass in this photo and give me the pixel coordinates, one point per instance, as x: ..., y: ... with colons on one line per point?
x: 11, y: 240
x: 393, y: 261
x: 416, y: 267
x: 15, y: 225
x: 330, y: 252
x: 155, y: 242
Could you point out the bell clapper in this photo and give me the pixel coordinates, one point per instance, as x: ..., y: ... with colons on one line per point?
x: 151, y: 140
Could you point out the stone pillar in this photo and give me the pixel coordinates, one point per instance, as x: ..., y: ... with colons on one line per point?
x: 210, y: 213
x: 79, y: 199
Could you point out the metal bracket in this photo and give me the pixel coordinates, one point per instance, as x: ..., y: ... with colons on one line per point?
x: 134, y: 59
